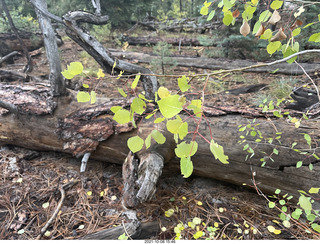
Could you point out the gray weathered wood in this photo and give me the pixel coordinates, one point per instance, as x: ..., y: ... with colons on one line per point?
x: 57, y: 81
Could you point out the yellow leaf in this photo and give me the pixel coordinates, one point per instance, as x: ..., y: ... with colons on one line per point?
x: 89, y: 193
x: 254, y: 2
x: 199, y: 203
x: 100, y: 73
x: 216, y: 224
x: 163, y: 92
x: 277, y: 232
x: 294, y: 120
x: 271, y: 228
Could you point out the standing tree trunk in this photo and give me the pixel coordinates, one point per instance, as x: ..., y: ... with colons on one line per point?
x: 56, y: 79
x: 29, y: 66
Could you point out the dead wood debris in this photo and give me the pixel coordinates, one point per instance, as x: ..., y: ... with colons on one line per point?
x: 94, y: 205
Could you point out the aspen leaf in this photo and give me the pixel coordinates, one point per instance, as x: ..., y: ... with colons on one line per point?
x: 260, y: 31
x: 276, y: 4
x: 218, y: 152
x: 183, y: 84
x: 236, y: 13
x: 275, y: 17
x: 315, y: 37
x: 138, y: 105
x: 279, y: 36
x: 169, y: 212
x: 265, y: 15
x: 273, y: 47
x: 267, y: 34
x: 122, y: 116
x: 185, y: 150
x: 148, y: 141
x: 75, y: 68
x: 135, y: 81
x: 85, y: 85
x: 299, y: 12
x: 296, y: 32
x: 163, y: 92
x: 186, y: 167
x: 314, y: 190
x: 83, y: 97
x: 170, y: 106
x: 245, y: 28
x: 135, y: 143
x: 211, y: 15
x: 158, y: 136
x: 45, y: 205
x: 100, y: 73
x: 228, y: 18
x: 93, y: 97
x: 122, y: 93
x: 271, y: 228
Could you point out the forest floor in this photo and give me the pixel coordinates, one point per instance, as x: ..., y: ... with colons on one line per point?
x: 30, y: 180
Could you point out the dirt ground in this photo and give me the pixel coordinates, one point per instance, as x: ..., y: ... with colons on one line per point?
x: 31, y: 181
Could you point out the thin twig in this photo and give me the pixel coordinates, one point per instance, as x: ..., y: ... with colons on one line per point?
x: 314, y: 84
x: 54, y: 215
x: 125, y: 230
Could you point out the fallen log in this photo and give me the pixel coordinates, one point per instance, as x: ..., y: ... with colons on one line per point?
x: 216, y: 64
x: 63, y: 125
x: 155, y: 40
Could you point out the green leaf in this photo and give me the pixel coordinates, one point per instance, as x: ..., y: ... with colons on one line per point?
x: 196, y: 106
x: 287, y: 51
x: 163, y: 92
x: 83, y: 97
x: 228, y: 18
x: 296, y: 32
x: 196, y: 221
x: 93, y: 97
x: 276, y: 4
x: 305, y: 203
x: 264, y: 16
x: 256, y: 27
x: 211, y: 15
x: 122, y: 116
x: 275, y: 151
x: 135, y: 82
x: 314, y: 190
x: 204, y: 10
x: 183, y: 84
x: 299, y: 164
x: 185, y: 150
x: 148, y: 141
x: 271, y: 204
x: 183, y: 130
x: 296, y: 214
x: 266, y: 35
x: 277, y: 191
x: 186, y: 167
x: 115, y: 109
x: 122, y: 93
x: 282, y: 202
x: 138, y: 105
x: 315, y: 227
x: 123, y: 237
x: 85, y: 85
x: 75, y: 68
x: 273, y: 47
x: 198, y: 234
x: 170, y: 106
x: 158, y: 136
x: 158, y: 120
x: 67, y: 74
x: 135, y: 143
x: 315, y: 37
x: 218, y: 152
x: 308, y: 139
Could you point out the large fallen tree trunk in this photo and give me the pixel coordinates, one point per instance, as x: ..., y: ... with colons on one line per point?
x: 151, y: 40
x: 216, y: 64
x: 63, y: 125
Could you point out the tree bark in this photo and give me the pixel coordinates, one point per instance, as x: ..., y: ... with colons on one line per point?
x: 57, y: 81
x: 155, y: 40
x: 63, y: 125
x: 216, y: 64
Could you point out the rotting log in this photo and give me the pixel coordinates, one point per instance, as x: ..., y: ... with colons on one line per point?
x: 63, y: 125
x: 151, y: 40
x: 217, y: 64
